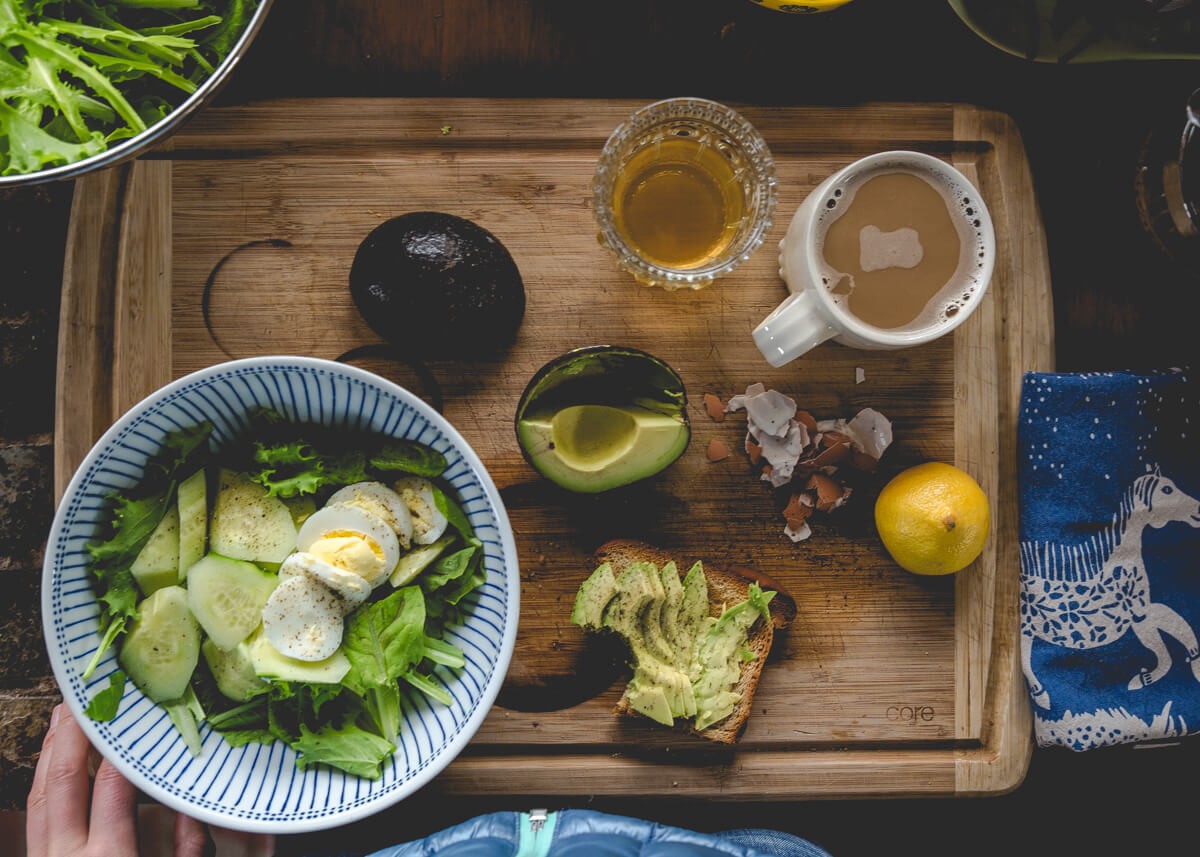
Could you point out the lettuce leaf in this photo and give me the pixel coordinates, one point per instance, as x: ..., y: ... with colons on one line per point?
x: 448, y: 568
x: 317, y: 721
x: 26, y: 148
x: 244, y: 724
x: 386, y: 641
x: 105, y: 704
x: 455, y: 516
x: 291, y: 460
x: 409, y: 457
x: 348, y: 747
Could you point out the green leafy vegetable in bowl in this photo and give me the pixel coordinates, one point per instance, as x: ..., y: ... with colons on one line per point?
x: 287, y: 587
x: 77, y: 76
x: 1086, y: 31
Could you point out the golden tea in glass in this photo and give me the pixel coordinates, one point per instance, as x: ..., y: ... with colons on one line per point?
x: 678, y: 203
x: 684, y: 192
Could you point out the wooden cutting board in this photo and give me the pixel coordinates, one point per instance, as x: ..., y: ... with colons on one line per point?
x: 237, y: 241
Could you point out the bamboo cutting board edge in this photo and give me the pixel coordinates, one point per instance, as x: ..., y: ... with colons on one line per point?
x: 97, y: 306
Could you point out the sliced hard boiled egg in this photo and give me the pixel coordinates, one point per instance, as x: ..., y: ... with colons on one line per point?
x: 428, y: 522
x: 351, y: 539
x: 303, y: 619
x: 377, y: 498
x: 352, y: 588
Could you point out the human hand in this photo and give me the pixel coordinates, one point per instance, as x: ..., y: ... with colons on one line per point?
x: 58, y: 822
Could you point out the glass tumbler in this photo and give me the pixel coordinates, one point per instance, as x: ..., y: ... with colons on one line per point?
x: 684, y: 192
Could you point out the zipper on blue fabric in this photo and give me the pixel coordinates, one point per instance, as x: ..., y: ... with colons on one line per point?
x: 536, y: 833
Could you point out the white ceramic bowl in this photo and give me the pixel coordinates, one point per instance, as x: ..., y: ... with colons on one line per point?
x: 257, y: 787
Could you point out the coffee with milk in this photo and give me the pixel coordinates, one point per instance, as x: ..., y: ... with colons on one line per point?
x: 901, y: 249
x: 893, y: 250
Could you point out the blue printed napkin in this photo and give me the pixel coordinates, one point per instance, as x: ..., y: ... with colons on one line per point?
x: 1109, y: 469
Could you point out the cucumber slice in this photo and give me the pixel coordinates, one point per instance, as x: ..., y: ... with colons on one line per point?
x: 269, y: 663
x: 193, y: 521
x: 157, y: 564
x: 417, y: 560
x: 227, y: 597
x: 162, y: 647
x: 249, y: 524
x: 233, y: 670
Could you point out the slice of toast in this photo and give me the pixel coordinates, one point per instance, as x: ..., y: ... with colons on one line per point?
x: 725, y: 588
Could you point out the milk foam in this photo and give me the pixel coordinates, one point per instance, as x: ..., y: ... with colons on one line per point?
x: 879, y: 250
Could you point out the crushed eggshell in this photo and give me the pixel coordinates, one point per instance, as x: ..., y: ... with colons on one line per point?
x: 782, y: 453
x: 798, y: 534
x: 717, y: 450
x: 807, y: 420
x: 830, y: 493
x: 832, y: 449
x: 795, y: 449
x: 714, y: 406
x: 869, y: 431
x: 738, y: 402
x: 768, y: 410
x: 798, y: 510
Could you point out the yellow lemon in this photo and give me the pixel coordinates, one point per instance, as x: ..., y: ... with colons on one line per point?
x: 933, y: 518
x: 801, y: 6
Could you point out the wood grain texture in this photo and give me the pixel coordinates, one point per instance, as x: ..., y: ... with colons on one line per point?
x: 886, y: 684
x: 142, y: 303
x: 83, y: 407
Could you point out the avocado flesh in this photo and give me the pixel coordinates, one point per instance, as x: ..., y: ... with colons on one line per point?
x: 650, y: 700
x: 634, y: 614
x: 594, y: 448
x: 637, y: 587
x: 653, y: 633
x: 593, y: 596
x: 692, y: 612
x: 668, y: 612
x: 675, y: 685
x: 719, y: 657
x: 685, y: 661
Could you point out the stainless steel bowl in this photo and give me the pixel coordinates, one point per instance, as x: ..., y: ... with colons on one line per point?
x: 160, y: 130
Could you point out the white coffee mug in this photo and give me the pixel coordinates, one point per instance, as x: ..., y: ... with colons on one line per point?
x: 813, y: 313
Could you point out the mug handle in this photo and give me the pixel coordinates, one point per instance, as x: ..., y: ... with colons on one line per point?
x: 795, y: 327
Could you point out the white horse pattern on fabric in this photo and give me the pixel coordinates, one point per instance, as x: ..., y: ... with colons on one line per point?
x: 1088, y: 595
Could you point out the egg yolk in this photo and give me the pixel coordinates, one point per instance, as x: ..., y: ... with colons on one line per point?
x: 350, y: 552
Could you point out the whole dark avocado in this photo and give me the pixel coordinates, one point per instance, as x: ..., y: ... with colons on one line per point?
x: 438, y: 285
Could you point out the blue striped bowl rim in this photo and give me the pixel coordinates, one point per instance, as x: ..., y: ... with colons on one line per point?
x: 257, y: 787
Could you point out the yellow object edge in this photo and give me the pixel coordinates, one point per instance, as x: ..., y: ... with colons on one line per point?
x: 800, y: 7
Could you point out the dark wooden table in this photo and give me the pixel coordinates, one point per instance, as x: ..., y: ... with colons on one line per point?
x: 1118, y: 304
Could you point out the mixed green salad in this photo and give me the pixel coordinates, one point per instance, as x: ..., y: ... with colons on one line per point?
x: 77, y: 76
x: 285, y: 588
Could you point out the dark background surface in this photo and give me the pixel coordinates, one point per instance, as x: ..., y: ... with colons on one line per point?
x: 1120, y: 303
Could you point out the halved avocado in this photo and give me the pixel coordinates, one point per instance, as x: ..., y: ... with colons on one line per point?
x: 601, y: 417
